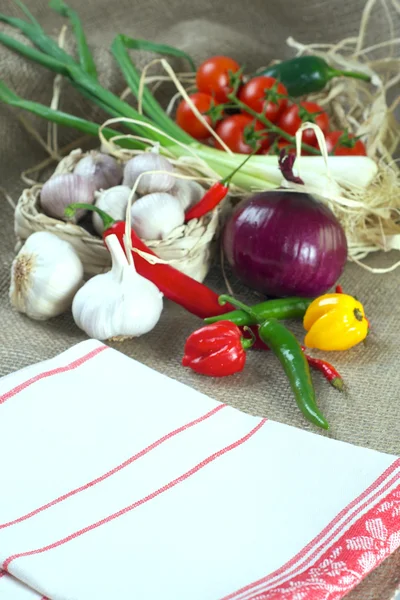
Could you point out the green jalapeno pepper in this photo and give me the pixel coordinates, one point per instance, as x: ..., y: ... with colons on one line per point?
x: 289, y: 353
x: 307, y: 74
x: 282, y: 308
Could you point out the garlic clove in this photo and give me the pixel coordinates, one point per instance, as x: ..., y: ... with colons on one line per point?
x: 101, y: 169
x: 114, y: 202
x: 151, y: 182
x: 188, y: 192
x: 156, y: 215
x: 61, y: 190
x: 45, y: 276
x: 119, y: 304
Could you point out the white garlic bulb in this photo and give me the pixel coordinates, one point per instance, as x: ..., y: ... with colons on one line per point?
x: 154, y: 216
x: 61, y: 190
x: 188, y: 192
x: 114, y: 202
x: 101, y: 169
x: 45, y: 275
x: 152, y: 182
x: 119, y: 304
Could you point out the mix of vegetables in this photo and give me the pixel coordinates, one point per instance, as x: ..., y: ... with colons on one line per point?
x: 220, y: 78
x: 160, y: 197
x: 283, y: 242
x: 267, y: 112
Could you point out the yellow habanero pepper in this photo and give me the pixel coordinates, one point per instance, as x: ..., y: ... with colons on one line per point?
x: 335, y: 322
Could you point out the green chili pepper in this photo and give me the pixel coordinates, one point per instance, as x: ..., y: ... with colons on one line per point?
x: 283, y: 308
x: 307, y: 74
x: 288, y: 351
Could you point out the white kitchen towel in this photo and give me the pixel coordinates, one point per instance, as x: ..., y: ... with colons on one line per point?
x: 119, y: 482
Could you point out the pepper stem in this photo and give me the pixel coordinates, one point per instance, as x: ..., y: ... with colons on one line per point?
x: 72, y: 208
x: 353, y: 74
x: 227, y: 179
x: 224, y: 299
x: 248, y: 342
x: 358, y: 314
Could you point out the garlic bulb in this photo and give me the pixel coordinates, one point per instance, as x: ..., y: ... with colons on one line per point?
x: 119, y: 304
x: 61, y: 190
x: 154, y: 216
x: 188, y: 192
x: 102, y: 169
x: 45, y: 276
x: 114, y: 202
x: 153, y: 182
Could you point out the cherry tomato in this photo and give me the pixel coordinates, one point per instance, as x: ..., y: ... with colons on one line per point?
x: 213, y: 77
x: 186, y: 118
x: 256, y: 92
x: 232, y: 131
x: 264, y: 138
x: 332, y: 140
x: 291, y: 119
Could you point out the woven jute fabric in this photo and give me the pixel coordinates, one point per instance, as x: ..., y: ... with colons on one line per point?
x: 254, y: 32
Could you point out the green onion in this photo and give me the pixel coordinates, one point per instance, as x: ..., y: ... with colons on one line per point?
x: 36, y: 55
x: 36, y: 34
x: 139, y: 44
x: 150, y: 104
x: 62, y: 118
x: 85, y: 56
x: 260, y: 172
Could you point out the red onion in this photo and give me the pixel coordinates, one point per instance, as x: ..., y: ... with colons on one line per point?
x: 284, y: 243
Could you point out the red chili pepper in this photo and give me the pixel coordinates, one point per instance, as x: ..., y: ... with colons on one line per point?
x: 209, y: 201
x: 192, y: 295
x: 217, y: 350
x: 327, y: 370
x: 213, y: 196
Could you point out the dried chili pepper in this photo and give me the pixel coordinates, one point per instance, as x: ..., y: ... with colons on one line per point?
x: 217, y: 350
x: 289, y: 353
x: 327, y: 370
x: 213, y: 196
x: 304, y: 75
x: 335, y: 322
x: 192, y: 295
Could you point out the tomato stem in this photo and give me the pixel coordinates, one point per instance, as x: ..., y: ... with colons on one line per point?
x: 269, y: 125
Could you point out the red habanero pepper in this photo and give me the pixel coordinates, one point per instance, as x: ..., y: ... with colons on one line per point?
x: 192, y: 295
x: 213, y: 196
x: 216, y: 350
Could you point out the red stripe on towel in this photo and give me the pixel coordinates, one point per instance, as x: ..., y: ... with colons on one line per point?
x: 127, y: 462
x: 147, y: 498
x: 284, y: 571
x: 362, y: 548
x: 73, y: 365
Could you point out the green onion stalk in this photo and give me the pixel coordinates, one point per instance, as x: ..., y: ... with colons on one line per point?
x: 154, y: 125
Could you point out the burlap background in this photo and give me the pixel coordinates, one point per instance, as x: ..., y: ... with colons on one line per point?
x: 253, y: 32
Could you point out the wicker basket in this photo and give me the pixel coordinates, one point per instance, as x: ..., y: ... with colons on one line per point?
x: 189, y: 248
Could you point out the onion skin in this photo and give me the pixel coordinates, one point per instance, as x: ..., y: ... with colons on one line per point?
x: 284, y: 243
